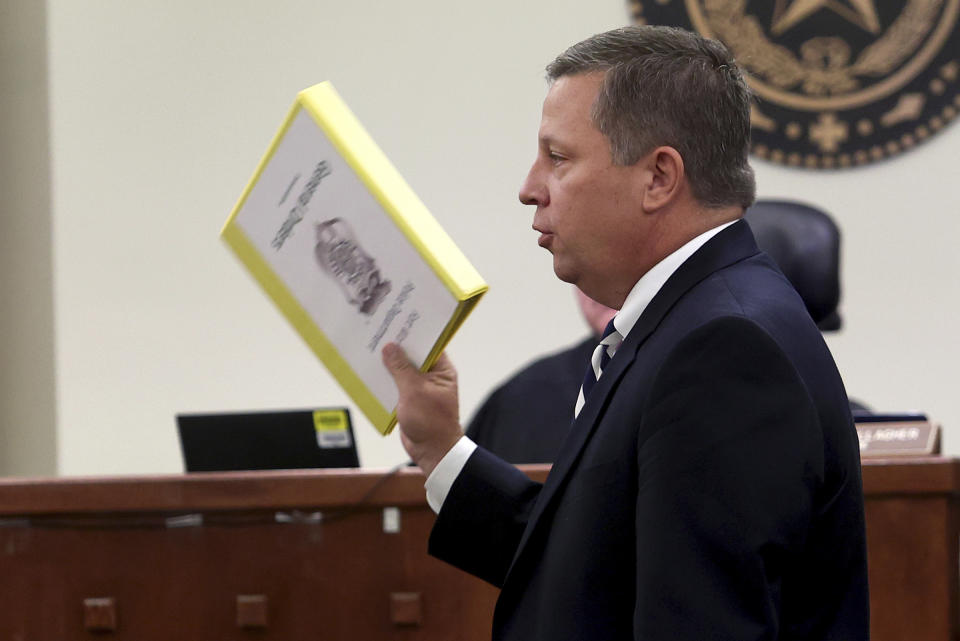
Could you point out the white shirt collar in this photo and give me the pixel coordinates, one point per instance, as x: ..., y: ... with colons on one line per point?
x: 651, y: 282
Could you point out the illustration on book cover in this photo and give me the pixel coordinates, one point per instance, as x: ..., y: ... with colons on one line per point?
x: 355, y: 272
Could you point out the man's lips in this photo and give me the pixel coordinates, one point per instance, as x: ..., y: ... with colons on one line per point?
x: 546, y: 236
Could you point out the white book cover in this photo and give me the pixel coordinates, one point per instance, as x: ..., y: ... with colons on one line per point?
x: 340, y: 257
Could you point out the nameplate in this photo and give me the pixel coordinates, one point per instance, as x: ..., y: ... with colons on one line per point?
x: 898, y: 438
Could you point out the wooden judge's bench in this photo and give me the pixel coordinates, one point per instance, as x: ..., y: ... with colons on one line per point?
x: 331, y: 555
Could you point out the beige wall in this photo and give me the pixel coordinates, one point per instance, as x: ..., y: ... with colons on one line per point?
x: 160, y: 110
x: 27, y: 400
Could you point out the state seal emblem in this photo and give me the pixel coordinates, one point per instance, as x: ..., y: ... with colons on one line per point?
x: 839, y: 83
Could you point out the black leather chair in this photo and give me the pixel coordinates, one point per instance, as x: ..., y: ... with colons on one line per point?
x: 805, y: 243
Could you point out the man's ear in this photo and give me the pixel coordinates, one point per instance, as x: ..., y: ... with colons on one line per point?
x: 665, y: 178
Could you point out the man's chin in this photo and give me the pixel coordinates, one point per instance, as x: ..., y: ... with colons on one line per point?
x: 564, y: 273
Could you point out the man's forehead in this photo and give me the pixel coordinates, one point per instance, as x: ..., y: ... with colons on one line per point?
x: 568, y: 106
x: 581, y: 87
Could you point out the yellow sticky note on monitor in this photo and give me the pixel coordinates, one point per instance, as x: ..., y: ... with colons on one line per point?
x: 333, y: 428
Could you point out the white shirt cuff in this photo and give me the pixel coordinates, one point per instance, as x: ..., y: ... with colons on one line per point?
x: 446, y: 472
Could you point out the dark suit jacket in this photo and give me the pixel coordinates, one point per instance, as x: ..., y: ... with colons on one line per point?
x: 710, y: 488
x: 526, y: 418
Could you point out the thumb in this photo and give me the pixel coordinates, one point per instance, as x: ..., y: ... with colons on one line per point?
x: 397, y: 363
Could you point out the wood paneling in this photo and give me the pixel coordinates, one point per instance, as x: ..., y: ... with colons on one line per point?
x: 304, y: 555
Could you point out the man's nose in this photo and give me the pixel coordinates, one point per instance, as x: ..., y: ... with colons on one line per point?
x: 532, y: 191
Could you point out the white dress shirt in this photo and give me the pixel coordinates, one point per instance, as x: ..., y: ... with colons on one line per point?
x: 445, y: 473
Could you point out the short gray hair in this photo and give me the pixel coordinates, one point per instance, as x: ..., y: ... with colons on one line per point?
x: 667, y: 86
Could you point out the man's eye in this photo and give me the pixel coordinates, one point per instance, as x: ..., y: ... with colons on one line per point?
x: 555, y: 157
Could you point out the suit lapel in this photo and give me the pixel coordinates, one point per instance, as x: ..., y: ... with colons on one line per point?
x: 729, y: 246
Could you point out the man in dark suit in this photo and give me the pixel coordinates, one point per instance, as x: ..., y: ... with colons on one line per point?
x: 709, y: 487
x: 526, y: 418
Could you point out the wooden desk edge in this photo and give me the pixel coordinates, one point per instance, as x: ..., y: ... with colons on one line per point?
x: 218, y: 491
x: 331, y: 488
x: 933, y: 475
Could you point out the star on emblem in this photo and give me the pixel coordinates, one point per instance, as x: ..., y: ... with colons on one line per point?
x: 787, y: 13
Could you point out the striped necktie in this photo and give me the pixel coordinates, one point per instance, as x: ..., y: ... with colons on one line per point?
x: 604, y: 351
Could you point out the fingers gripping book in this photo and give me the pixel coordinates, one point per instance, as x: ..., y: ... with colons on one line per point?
x: 348, y: 252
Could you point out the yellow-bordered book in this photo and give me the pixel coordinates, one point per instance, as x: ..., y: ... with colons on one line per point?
x: 348, y: 252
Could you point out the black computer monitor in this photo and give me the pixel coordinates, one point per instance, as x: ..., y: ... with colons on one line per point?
x: 267, y: 440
